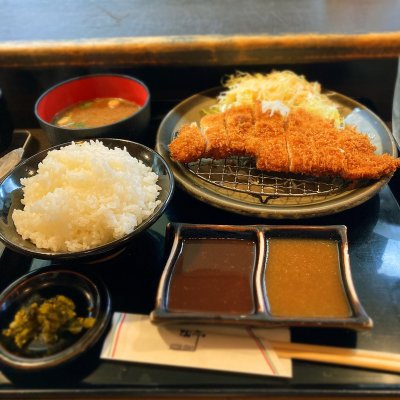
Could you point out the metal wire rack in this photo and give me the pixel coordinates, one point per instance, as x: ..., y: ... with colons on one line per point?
x: 241, y: 175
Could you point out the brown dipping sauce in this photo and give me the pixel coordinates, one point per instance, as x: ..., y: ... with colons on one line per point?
x: 213, y: 276
x: 303, y: 279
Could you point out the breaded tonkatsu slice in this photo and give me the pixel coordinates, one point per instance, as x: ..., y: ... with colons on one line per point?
x: 220, y: 135
x: 361, y: 161
x: 239, y: 124
x: 213, y: 130
x: 233, y: 132
x: 317, y: 148
x: 313, y: 147
x: 268, y: 142
x: 190, y: 145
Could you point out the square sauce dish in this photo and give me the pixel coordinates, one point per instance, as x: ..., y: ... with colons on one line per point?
x: 259, y: 275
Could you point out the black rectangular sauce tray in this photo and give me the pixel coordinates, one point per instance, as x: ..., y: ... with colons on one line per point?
x: 204, y: 258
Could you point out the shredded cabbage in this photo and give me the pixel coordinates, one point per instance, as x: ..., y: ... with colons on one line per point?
x: 291, y: 89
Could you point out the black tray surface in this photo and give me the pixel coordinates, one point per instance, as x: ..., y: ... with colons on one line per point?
x: 133, y: 276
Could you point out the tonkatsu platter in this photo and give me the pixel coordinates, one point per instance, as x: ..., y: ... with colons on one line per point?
x: 112, y: 273
x: 277, y: 146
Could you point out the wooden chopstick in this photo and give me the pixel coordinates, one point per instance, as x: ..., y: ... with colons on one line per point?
x: 338, y: 355
x: 377, y: 360
x: 344, y: 351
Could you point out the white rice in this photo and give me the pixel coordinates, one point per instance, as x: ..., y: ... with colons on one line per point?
x: 85, y: 195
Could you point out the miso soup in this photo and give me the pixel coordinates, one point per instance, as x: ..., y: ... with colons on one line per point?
x: 94, y: 113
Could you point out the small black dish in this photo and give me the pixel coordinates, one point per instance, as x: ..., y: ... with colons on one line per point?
x: 91, y: 299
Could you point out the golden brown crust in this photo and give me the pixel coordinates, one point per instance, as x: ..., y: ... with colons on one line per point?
x: 268, y: 143
x: 213, y: 129
x: 361, y: 161
x: 312, y: 145
x: 299, y: 143
x: 189, y: 145
x: 239, y: 123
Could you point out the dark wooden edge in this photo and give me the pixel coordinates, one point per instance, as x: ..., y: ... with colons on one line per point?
x: 201, y: 50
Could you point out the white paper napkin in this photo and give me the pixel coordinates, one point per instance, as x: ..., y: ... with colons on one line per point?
x: 235, y: 349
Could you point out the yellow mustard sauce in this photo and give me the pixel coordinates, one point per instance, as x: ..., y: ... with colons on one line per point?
x: 303, y: 279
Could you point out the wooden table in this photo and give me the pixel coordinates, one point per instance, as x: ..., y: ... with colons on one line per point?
x: 46, y: 33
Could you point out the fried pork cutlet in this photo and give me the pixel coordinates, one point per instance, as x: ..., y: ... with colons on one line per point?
x: 189, y: 146
x: 300, y: 143
x: 268, y: 142
x: 361, y: 161
x: 239, y: 123
x: 213, y: 130
x: 317, y: 148
x: 312, y: 145
x: 220, y: 135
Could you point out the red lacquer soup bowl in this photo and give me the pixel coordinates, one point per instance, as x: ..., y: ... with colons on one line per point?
x: 81, y: 93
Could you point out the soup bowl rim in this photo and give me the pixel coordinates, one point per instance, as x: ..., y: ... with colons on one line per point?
x: 90, y: 76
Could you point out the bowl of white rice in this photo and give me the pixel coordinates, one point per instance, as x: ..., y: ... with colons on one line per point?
x: 83, y: 199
